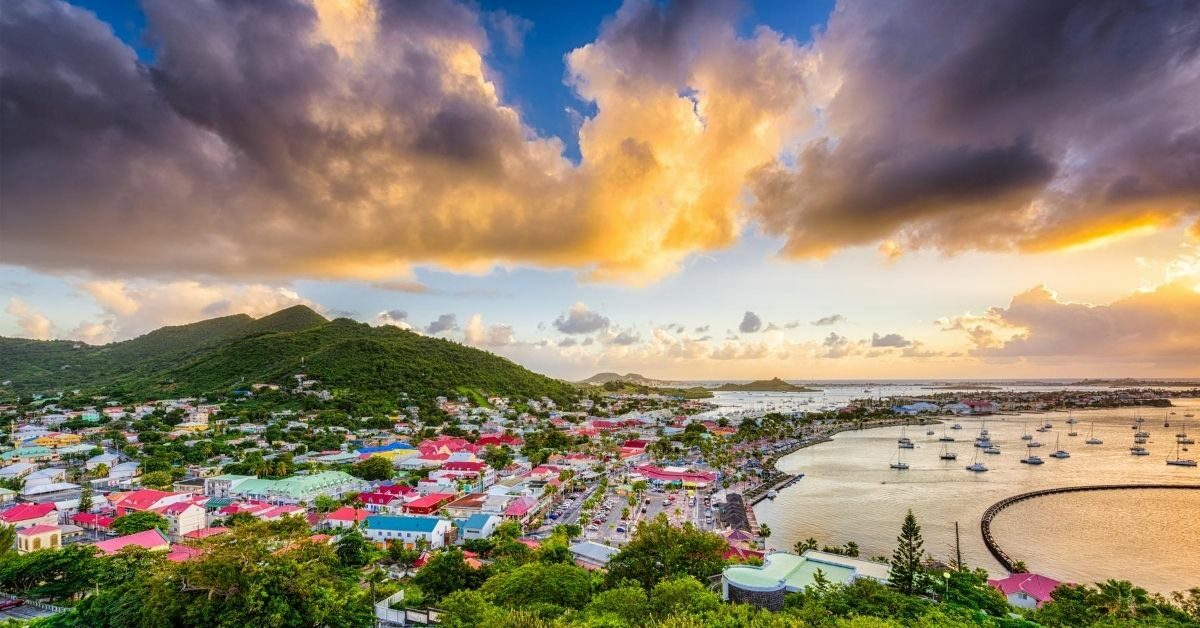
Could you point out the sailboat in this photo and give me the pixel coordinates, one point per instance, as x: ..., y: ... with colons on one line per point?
x: 1030, y: 458
x: 899, y: 464
x: 1092, y: 440
x: 1138, y: 450
x: 1180, y: 462
x: 1060, y: 453
x: 1027, y: 435
x: 904, y: 439
x: 977, y: 466
x: 946, y: 438
x: 947, y: 454
x: 1182, y: 437
x: 1071, y: 420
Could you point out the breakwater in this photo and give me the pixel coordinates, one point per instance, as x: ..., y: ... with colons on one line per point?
x: 985, y: 522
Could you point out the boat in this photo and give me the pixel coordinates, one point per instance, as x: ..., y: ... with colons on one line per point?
x: 772, y: 494
x: 947, y: 454
x: 1060, y: 453
x: 1180, y: 462
x: 1030, y: 458
x: 976, y: 466
x: 1138, y: 450
x: 994, y: 450
x: 956, y: 426
x: 1026, y: 435
x: 946, y: 438
x: 1071, y: 420
x: 1048, y: 425
x: 907, y: 445
x: 1188, y: 415
x: 1142, y: 434
x: 899, y: 464
x: 929, y: 433
x: 1092, y: 440
x: 1043, y: 429
x: 1034, y: 443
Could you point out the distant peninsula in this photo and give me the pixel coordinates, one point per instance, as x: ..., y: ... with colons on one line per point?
x: 765, y: 385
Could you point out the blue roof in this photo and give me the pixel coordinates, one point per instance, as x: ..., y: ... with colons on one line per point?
x: 397, y: 523
x: 476, y: 521
x: 388, y: 447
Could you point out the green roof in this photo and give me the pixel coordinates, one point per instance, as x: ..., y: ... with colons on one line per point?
x: 787, y: 570
x: 22, y: 452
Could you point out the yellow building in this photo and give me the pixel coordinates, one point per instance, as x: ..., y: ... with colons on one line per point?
x: 38, y: 537
x: 58, y: 439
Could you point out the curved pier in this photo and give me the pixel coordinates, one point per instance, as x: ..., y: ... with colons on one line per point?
x: 985, y: 522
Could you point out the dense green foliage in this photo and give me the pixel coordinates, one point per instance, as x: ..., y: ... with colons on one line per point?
x: 218, y: 355
x: 135, y: 522
x: 659, y: 551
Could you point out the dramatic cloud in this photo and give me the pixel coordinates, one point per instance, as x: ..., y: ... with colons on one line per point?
x: 33, y: 324
x: 1157, y: 327
x: 889, y: 340
x: 826, y: 321
x: 837, y: 346
x: 444, y: 322
x: 512, y: 29
x: 580, y: 320
x: 355, y: 139
x: 750, y: 324
x: 396, y: 318
x: 1024, y: 125
x: 132, y: 308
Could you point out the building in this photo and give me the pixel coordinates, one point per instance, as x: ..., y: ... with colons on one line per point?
x: 183, y: 518
x: 152, y: 539
x: 668, y: 475
x: 29, y: 515
x: 428, y: 504
x: 1026, y: 590
x: 38, y: 537
x: 148, y: 499
x: 17, y: 470
x: 407, y: 529
x: 784, y: 572
x: 592, y: 555
x: 346, y: 517
x: 478, y: 526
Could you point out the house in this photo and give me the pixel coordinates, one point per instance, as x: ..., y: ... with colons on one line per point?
x: 667, y: 475
x: 182, y: 518
x: 428, y: 504
x: 124, y: 471
x: 346, y: 517
x: 382, y: 502
x: 148, y: 499
x: 49, y: 475
x: 1026, y: 590
x: 152, y: 539
x: 522, y: 509
x: 407, y: 529
x: 38, y: 537
x: 106, y: 459
x: 28, y: 515
x: 92, y: 521
x: 16, y: 470
x: 478, y: 526
x: 592, y: 555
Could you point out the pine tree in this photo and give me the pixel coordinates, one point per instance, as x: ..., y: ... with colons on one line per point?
x: 85, y: 499
x: 907, y: 575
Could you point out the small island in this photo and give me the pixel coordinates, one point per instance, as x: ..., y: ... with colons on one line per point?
x: 765, y: 385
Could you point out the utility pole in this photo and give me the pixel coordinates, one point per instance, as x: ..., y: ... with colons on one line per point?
x: 958, y: 565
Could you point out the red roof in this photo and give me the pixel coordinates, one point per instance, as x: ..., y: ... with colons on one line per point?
x: 663, y: 475
x: 92, y: 519
x: 181, y: 553
x: 432, y: 500
x: 37, y: 529
x: 497, y: 439
x: 476, y: 467
x: 346, y: 513
x: 142, y: 499
x: 25, y: 512
x: 635, y: 442
x: 149, y: 539
x: 395, y: 489
x: 520, y: 506
x: 204, y: 533
x: 1037, y: 587
x: 176, y: 508
x: 378, y: 499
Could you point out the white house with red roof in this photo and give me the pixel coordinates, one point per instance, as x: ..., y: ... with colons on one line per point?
x: 1026, y: 590
x: 29, y: 515
x: 148, y: 499
x: 182, y: 517
x: 346, y: 517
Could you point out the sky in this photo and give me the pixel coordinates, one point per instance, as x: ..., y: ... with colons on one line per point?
x: 687, y: 190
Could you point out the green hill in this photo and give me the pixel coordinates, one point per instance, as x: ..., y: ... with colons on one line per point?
x: 765, y: 385
x: 221, y: 354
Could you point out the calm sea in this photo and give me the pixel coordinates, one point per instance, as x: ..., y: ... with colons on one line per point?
x: 1150, y: 537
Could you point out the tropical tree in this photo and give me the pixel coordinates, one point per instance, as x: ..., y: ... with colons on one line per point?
x: 446, y: 572
x: 8, y: 539
x: 354, y: 550
x: 659, y: 551
x: 764, y: 530
x: 1121, y: 599
x: 907, y: 574
x: 158, y: 479
x: 803, y: 546
x: 375, y: 468
x: 85, y: 498
x: 135, y: 522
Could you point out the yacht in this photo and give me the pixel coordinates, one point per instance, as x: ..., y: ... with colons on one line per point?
x: 956, y: 426
x: 1026, y: 435
x: 1034, y: 443
x: 772, y: 494
x: 1139, y: 440
x: 1138, y: 450
x: 947, y: 454
x: 899, y: 464
x: 929, y: 433
x: 994, y: 450
x: 1048, y: 425
x: 1071, y: 420
x: 1043, y: 429
x: 1060, y: 453
x: 1180, y: 462
x: 977, y: 466
x: 1141, y: 434
x: 1092, y: 440
x: 946, y: 438
x: 907, y: 444
x: 1030, y: 458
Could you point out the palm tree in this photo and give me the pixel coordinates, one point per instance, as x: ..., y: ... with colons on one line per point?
x: 1119, y: 598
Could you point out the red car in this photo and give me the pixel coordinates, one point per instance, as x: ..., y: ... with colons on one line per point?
x: 10, y: 604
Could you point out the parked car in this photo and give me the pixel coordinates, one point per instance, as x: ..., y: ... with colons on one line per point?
x: 10, y: 604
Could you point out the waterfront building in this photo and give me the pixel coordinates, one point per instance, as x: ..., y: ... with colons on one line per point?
x: 1026, y: 590
x: 784, y: 572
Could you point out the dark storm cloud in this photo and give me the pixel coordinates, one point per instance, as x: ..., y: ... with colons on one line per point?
x: 1014, y: 124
